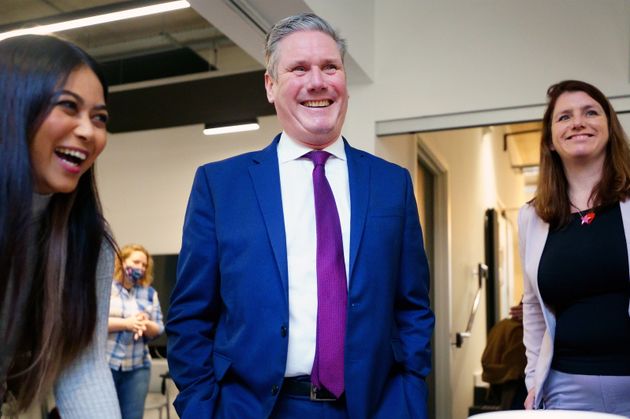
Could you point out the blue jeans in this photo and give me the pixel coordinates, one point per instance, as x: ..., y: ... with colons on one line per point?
x: 132, y: 388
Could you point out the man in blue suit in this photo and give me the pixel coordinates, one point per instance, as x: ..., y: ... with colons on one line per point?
x: 251, y: 334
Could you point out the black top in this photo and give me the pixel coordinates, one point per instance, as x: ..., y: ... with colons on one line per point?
x: 584, y: 278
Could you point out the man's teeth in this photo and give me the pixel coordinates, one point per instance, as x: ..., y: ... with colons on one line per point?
x: 75, y: 156
x: 317, y: 103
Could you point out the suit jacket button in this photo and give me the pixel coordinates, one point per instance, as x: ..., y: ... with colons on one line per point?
x: 283, y: 331
x: 274, y: 390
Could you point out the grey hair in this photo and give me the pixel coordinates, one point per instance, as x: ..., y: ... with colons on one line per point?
x: 297, y: 23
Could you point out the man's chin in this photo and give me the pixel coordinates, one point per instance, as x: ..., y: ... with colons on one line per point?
x: 319, y: 141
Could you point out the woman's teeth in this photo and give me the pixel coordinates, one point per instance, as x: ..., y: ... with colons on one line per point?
x: 75, y: 157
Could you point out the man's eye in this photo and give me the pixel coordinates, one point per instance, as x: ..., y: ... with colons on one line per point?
x: 331, y: 68
x: 299, y: 69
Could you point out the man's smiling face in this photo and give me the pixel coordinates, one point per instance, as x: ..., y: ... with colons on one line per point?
x: 310, y: 92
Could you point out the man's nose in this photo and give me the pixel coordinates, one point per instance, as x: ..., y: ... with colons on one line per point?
x: 316, y: 79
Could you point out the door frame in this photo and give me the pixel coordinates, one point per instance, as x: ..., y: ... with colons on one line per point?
x: 442, y: 270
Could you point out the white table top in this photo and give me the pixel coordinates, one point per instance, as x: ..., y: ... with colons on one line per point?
x: 545, y: 414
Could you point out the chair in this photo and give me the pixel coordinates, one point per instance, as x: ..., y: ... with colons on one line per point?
x: 158, y: 397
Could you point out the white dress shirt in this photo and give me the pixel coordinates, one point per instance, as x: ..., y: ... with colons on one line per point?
x: 298, y: 203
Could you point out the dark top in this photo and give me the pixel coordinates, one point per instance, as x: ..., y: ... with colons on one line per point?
x: 584, y: 277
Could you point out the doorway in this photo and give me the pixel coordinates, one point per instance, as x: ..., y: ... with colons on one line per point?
x: 458, y: 175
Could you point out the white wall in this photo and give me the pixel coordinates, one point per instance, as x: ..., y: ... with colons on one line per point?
x: 354, y: 19
x: 399, y: 149
x: 463, y: 154
x: 624, y: 119
x: 145, y: 177
x: 460, y: 55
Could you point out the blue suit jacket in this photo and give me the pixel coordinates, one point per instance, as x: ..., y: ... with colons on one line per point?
x: 229, y: 312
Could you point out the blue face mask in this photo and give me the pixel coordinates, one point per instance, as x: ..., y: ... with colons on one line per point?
x: 134, y: 274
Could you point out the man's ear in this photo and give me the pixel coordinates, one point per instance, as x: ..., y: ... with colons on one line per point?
x: 269, y: 87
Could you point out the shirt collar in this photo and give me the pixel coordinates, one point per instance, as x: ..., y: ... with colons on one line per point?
x: 290, y: 149
x: 122, y: 289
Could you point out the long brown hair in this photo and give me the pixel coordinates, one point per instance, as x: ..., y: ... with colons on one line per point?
x: 47, y: 269
x: 552, y: 195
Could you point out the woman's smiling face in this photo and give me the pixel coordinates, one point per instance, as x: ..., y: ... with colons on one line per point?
x: 71, y: 136
x: 579, y: 127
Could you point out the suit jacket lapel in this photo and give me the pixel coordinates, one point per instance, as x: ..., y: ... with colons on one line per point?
x: 265, y: 177
x: 359, y: 180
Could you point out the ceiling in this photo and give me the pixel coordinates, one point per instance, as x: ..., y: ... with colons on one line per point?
x: 150, y: 62
x: 522, y: 142
x: 132, y: 37
x: 172, y: 90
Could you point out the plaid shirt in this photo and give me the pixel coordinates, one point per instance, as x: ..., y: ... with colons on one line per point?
x: 123, y: 352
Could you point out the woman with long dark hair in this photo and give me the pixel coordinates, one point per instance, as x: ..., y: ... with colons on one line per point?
x: 56, y: 253
x: 574, y: 244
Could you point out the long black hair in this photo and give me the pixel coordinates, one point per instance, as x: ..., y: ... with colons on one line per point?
x: 47, y: 269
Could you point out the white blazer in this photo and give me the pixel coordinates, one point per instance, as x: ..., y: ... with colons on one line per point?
x: 539, y: 321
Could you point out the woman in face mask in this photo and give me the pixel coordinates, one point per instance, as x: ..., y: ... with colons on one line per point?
x: 135, y: 318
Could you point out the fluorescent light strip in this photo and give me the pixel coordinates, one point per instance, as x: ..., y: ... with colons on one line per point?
x: 97, y: 20
x: 231, y: 129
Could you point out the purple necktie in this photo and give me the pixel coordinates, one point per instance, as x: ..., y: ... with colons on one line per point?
x: 332, y: 293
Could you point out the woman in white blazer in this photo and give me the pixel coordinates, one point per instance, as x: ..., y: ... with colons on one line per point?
x: 574, y: 238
